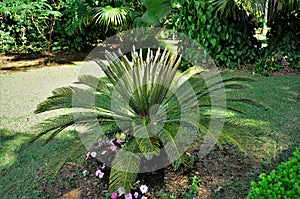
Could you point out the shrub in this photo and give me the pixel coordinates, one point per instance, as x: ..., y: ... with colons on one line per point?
x: 143, y: 106
x: 283, y: 183
x: 284, y: 36
x: 229, y: 40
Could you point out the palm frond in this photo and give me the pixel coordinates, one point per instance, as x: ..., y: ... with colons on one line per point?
x: 125, y: 167
x: 72, y: 151
x: 170, y: 145
x: 57, y: 124
x: 146, y: 143
x: 76, y: 97
x: 99, y: 84
x: 111, y: 18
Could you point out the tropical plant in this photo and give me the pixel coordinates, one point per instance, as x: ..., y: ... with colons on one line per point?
x: 228, y: 36
x: 155, y: 13
x: 284, y: 35
x: 31, y: 24
x: 121, y: 15
x: 145, y: 103
x: 111, y: 18
x: 280, y: 16
x: 232, y: 8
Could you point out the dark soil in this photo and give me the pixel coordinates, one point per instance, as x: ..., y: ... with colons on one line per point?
x: 220, y: 169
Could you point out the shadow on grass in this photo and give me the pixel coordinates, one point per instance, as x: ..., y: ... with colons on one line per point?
x: 23, y: 164
x: 276, y: 132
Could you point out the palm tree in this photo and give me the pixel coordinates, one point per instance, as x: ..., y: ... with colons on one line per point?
x: 232, y: 8
x: 115, y: 16
x: 148, y: 101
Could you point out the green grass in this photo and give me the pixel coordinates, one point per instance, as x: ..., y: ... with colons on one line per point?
x: 277, y: 129
x: 22, y: 165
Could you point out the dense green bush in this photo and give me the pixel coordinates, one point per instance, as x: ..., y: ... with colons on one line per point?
x: 26, y: 25
x: 229, y: 40
x: 45, y: 26
x: 284, y: 183
x: 284, y: 36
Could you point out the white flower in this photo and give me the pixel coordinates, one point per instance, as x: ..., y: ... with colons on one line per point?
x: 93, y: 154
x: 144, y: 189
x: 113, y: 148
x: 121, y: 191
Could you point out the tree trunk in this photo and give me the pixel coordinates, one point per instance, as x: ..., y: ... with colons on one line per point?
x: 265, y: 30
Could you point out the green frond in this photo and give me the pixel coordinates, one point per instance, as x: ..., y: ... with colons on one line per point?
x: 111, y: 18
x: 57, y: 124
x: 53, y: 103
x: 63, y: 91
x: 183, y: 160
x: 146, y: 143
x: 170, y: 144
x: 99, y: 84
x: 63, y: 98
x: 73, y: 150
x: 72, y: 97
x: 227, y: 107
x: 124, y: 168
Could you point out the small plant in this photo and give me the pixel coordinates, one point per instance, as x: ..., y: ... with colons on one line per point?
x: 283, y: 183
x: 192, y: 193
x: 173, y: 197
x: 267, y: 64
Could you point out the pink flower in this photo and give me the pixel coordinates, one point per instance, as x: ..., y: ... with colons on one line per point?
x: 136, y: 194
x: 144, y: 197
x: 93, y: 154
x: 188, y: 154
x: 114, y: 195
x: 113, y: 148
x: 99, y: 173
x: 119, y: 141
x: 144, y: 189
x: 88, y: 155
x: 128, y: 196
x: 137, y: 182
x: 121, y: 191
x: 111, y: 142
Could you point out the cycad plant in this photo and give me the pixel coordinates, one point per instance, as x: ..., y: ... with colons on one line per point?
x: 148, y: 110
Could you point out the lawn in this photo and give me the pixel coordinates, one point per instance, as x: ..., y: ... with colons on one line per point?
x: 274, y: 135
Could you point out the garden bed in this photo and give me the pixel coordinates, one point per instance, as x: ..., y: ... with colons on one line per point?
x: 220, y: 169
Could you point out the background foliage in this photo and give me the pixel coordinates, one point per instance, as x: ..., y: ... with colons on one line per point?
x: 228, y: 38
x: 284, y: 35
x: 224, y: 28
